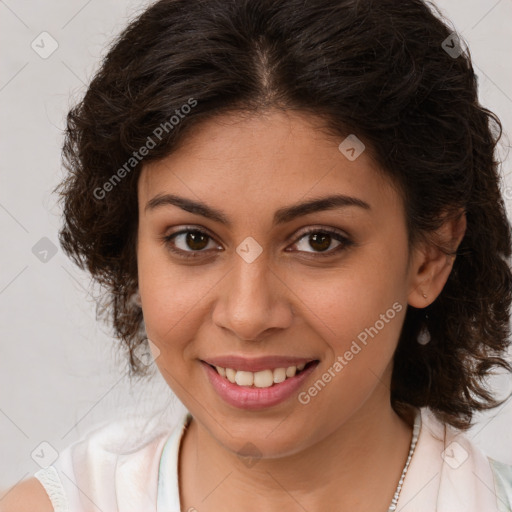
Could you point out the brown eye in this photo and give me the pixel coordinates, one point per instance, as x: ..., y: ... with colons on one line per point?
x: 320, y: 240
x: 188, y: 243
x: 196, y: 240
x: 192, y: 243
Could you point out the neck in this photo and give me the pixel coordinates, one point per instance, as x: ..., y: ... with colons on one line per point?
x: 356, y: 468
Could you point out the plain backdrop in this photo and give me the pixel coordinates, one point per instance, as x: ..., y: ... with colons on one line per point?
x: 59, y: 369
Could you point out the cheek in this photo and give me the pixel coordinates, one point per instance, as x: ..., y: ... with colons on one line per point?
x: 173, y: 297
x: 349, y: 313
x: 357, y: 317
x: 363, y: 302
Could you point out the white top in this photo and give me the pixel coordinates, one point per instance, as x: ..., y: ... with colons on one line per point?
x: 123, y: 467
x: 127, y: 465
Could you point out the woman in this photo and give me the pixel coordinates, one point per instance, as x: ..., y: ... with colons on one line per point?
x: 295, y: 206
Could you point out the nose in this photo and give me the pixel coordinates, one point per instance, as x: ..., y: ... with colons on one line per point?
x: 253, y: 301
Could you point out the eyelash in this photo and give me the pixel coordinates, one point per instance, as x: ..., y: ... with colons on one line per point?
x: 345, y: 242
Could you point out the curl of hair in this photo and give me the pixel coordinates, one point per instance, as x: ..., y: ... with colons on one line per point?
x: 376, y: 69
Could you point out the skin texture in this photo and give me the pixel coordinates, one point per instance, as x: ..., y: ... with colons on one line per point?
x: 27, y: 496
x: 347, y: 447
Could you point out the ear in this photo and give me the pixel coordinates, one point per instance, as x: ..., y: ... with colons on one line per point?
x: 430, y: 267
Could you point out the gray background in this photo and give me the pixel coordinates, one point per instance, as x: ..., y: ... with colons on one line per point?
x: 59, y: 373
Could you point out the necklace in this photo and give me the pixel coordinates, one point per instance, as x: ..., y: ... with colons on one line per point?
x: 415, y: 433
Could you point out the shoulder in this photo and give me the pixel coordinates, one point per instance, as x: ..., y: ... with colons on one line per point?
x: 26, y: 496
x: 115, y: 464
x: 466, y: 470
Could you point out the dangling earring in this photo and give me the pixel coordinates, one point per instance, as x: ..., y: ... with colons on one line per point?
x: 136, y: 299
x: 424, y: 334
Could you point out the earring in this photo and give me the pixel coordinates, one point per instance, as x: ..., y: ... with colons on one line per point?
x: 424, y: 295
x: 424, y: 335
x: 136, y: 299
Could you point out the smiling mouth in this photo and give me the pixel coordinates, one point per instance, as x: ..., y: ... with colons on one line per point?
x: 261, y: 379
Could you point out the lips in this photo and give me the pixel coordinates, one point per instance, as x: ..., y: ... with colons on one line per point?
x: 254, y: 397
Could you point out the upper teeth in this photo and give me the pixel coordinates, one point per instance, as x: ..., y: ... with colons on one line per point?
x: 261, y: 379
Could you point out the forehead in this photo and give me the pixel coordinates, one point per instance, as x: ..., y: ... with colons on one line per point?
x: 258, y: 161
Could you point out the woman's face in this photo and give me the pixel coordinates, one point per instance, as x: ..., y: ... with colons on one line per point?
x: 256, y: 284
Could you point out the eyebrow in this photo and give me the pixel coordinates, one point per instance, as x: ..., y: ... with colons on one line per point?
x: 281, y: 216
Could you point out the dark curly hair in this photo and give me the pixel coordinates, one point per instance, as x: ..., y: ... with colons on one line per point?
x: 393, y: 73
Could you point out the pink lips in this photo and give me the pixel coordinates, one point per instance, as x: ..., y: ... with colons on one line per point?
x: 250, y: 398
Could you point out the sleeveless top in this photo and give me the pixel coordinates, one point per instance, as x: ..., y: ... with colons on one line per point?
x: 120, y: 467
